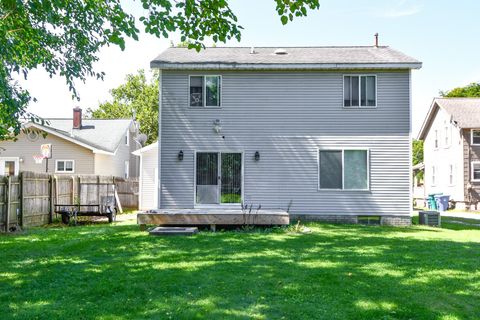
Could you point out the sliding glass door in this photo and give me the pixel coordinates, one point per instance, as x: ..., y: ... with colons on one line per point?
x: 218, y: 178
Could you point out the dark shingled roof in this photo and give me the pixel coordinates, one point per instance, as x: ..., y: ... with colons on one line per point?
x: 295, y: 57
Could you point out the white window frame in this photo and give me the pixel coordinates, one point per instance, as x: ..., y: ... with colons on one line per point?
x: 343, y: 168
x: 126, y: 169
x: 451, y: 174
x: 434, y: 176
x: 204, y: 95
x: 436, y: 141
x: 127, y: 138
x: 64, y: 165
x: 473, y: 163
x: 447, y: 139
x: 13, y: 159
x: 359, y: 91
x: 471, y: 137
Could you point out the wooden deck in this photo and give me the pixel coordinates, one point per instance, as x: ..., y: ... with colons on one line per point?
x: 212, y: 217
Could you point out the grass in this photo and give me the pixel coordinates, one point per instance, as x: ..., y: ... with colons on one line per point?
x: 335, y: 272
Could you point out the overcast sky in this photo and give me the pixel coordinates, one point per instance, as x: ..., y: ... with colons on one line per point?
x: 443, y: 34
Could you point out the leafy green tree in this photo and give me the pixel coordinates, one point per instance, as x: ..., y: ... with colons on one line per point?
x: 417, y: 155
x: 64, y: 37
x: 137, y: 97
x: 471, y: 90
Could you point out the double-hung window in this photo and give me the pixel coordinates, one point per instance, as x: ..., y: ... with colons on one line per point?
x: 344, y: 169
x: 475, y: 137
x: 64, y: 166
x: 205, y: 91
x: 360, y: 91
x: 476, y: 171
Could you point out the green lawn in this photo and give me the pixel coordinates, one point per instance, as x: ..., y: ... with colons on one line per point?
x: 334, y: 272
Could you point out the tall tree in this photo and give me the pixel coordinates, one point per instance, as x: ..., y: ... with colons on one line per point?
x: 64, y: 37
x: 137, y: 97
x: 417, y: 155
x: 471, y: 90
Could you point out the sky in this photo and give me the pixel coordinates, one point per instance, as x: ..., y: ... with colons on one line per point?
x: 443, y: 34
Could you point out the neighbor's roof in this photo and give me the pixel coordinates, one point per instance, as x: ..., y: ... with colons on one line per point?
x: 465, y: 113
x: 381, y: 57
x: 146, y: 148
x: 96, y: 134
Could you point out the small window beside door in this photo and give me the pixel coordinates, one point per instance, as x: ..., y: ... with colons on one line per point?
x: 205, y: 91
x: 64, y: 166
x: 360, y: 91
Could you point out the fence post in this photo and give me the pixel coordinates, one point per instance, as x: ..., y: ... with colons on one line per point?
x: 50, y: 191
x: 9, y: 200
x: 22, y: 200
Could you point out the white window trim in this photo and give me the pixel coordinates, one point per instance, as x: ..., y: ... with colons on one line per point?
x: 434, y: 175
x: 448, y: 135
x: 64, y: 160
x: 471, y: 137
x: 359, y: 91
x: 14, y: 159
x: 204, y: 96
x: 436, y: 140
x: 127, y: 136
x: 343, y: 168
x: 126, y: 169
x: 471, y: 167
x: 452, y: 183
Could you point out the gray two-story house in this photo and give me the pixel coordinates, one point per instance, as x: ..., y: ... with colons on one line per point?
x: 323, y: 132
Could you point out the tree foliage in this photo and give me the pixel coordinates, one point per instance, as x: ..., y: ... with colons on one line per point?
x: 471, y: 90
x: 417, y: 155
x: 64, y: 37
x: 137, y: 97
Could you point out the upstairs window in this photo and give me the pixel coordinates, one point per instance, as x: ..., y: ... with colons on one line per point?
x: 436, y: 139
x: 205, y: 91
x: 127, y: 138
x: 343, y: 169
x: 447, y: 136
x: 475, y: 171
x: 360, y: 91
x: 476, y: 137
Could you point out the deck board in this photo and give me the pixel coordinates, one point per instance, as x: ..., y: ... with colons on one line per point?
x: 212, y: 217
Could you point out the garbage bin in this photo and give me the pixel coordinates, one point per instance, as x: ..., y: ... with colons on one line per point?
x: 442, y: 202
x: 431, y: 201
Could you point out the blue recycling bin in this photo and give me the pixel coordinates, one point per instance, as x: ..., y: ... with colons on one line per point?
x: 432, y: 202
x: 442, y: 202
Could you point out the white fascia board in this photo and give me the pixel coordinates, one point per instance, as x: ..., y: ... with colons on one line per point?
x: 276, y: 66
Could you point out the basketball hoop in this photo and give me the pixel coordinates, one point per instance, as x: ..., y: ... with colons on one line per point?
x: 38, y: 159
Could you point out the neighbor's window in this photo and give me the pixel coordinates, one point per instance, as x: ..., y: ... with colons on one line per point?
x: 436, y: 139
x: 450, y: 176
x: 205, y: 91
x: 343, y: 169
x: 447, y: 137
x: 360, y: 91
x: 475, y: 171
x: 475, y: 136
x: 127, y: 169
x: 433, y: 176
x: 127, y: 139
x: 65, y: 166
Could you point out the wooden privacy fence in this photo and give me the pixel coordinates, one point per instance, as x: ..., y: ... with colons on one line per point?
x: 28, y: 200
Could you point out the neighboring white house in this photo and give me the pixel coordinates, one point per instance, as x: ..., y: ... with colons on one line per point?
x: 79, y: 146
x: 148, y: 176
x: 451, y: 155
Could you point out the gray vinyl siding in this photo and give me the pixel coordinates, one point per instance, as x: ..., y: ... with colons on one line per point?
x: 471, y: 153
x: 287, y: 116
x: 61, y: 150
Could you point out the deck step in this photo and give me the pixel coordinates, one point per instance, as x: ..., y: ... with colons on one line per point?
x: 174, y: 231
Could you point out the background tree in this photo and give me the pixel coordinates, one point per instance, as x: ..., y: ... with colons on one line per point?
x: 417, y: 155
x: 64, y: 37
x: 471, y: 90
x: 138, y: 97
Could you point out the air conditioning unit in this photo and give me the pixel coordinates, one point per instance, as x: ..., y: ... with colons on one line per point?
x: 430, y: 218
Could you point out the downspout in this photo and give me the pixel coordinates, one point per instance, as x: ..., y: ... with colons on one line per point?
x: 159, y: 161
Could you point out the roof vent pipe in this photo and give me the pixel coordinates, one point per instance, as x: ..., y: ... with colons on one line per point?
x: 252, y: 50
x: 376, y: 40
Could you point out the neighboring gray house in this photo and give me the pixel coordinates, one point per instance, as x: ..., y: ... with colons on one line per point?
x: 451, y: 134
x: 79, y: 146
x: 322, y: 131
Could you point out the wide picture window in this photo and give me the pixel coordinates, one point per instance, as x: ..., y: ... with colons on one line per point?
x: 343, y: 169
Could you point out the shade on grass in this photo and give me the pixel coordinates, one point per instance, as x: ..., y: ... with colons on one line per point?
x: 335, y: 272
